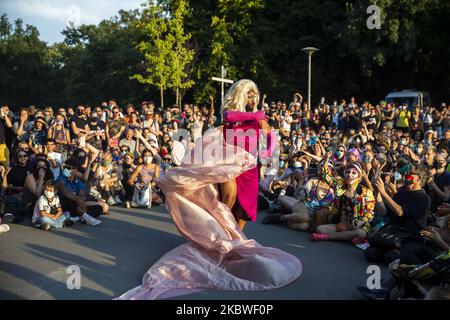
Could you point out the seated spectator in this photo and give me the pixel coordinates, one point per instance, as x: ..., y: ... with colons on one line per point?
x: 129, y: 141
x: 108, y: 180
x: 3, y: 226
x: 34, y: 182
x: 144, y: 182
x: 354, y: 208
x: 55, y: 158
x: 407, y: 212
x: 47, y: 212
x: 127, y: 168
x: 72, y: 195
x: 18, y: 173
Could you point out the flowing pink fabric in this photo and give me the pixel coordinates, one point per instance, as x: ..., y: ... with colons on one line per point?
x: 218, y: 255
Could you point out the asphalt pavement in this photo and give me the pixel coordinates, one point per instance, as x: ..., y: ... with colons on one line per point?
x: 114, y: 256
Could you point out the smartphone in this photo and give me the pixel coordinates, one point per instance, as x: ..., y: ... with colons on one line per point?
x: 82, y: 142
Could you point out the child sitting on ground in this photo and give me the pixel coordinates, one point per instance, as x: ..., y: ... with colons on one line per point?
x: 48, y: 212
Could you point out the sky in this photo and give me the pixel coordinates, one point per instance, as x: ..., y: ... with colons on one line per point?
x: 52, y: 16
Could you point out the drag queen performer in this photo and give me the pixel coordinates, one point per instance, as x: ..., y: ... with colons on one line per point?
x: 217, y: 255
x: 240, y: 113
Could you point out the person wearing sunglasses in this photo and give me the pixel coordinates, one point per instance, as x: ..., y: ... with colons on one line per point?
x: 18, y: 173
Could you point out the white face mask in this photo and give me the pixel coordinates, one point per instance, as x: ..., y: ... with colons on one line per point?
x: 49, y: 194
x: 297, y: 164
x: 147, y: 160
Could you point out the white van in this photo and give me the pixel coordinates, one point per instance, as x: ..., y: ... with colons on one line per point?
x: 409, y: 97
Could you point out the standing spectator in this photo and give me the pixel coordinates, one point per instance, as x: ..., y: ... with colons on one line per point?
x: 4, y: 150
x: 59, y: 132
x: 114, y: 128
x: 38, y: 136
x: 79, y: 125
x: 97, y: 130
x: 23, y: 127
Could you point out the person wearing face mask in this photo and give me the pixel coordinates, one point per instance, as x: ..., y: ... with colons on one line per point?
x: 367, y: 158
x: 107, y: 177
x: 407, y: 213
x: 144, y: 180
x: 354, y: 210
x: 79, y: 124
x: 339, y: 158
x: 47, y: 212
x: 97, y: 128
x: 127, y: 168
x: 59, y: 132
x: 114, y: 128
x: 72, y: 195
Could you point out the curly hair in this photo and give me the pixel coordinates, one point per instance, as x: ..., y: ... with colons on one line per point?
x: 236, y: 98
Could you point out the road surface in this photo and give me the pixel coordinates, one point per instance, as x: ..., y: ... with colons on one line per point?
x: 114, y: 256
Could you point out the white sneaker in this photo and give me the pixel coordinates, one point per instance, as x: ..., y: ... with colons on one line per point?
x: 111, y: 201
x: 134, y: 205
x: 117, y: 200
x: 75, y: 219
x: 4, y: 228
x: 127, y: 204
x: 91, y: 220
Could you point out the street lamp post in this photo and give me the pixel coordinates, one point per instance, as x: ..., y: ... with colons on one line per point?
x: 309, y: 51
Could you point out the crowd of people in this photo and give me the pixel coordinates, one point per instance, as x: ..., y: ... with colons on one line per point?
x: 373, y: 175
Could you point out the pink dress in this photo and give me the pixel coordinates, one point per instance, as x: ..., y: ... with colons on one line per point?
x: 247, y: 182
x: 217, y: 255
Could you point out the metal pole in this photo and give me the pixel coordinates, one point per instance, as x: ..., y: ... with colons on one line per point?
x: 309, y: 81
x: 223, y: 84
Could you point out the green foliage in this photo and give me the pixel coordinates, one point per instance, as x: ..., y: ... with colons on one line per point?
x: 166, y: 48
x: 180, y: 45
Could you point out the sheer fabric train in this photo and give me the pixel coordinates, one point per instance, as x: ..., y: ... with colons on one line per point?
x: 218, y: 255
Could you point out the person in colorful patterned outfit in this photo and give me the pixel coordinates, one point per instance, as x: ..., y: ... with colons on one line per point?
x: 353, y: 210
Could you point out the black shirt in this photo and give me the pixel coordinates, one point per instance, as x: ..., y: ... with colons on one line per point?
x: 17, y: 175
x: 2, y: 131
x: 80, y: 123
x: 416, y: 209
x: 98, y: 126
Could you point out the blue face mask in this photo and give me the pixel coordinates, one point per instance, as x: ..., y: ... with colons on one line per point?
x: 281, y: 164
x: 397, y: 176
x: 339, y: 154
x: 366, y: 158
x: 66, y: 172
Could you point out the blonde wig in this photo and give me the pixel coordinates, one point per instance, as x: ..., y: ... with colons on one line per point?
x: 236, y: 98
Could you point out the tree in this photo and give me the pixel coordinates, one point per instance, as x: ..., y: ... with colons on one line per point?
x: 182, y: 54
x: 166, y: 50
x: 156, y: 48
